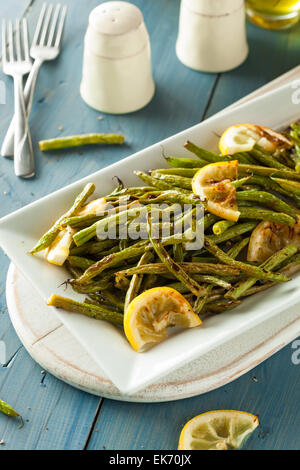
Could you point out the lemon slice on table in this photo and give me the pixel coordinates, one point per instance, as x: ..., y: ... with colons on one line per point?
x: 217, y: 430
x: 149, y: 314
x: 213, y: 183
x: 243, y: 137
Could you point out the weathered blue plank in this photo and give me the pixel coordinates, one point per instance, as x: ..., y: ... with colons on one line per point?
x: 266, y: 391
x: 14, y: 8
x: 55, y: 415
x: 179, y: 102
x: 60, y: 417
x: 271, y: 54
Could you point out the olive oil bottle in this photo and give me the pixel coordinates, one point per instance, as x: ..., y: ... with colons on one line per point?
x: 273, y: 14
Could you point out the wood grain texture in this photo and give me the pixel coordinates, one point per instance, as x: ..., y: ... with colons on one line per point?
x: 158, y: 426
x: 61, y: 417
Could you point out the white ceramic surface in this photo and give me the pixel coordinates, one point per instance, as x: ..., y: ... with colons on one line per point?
x: 212, y: 34
x: 128, y: 370
x: 116, y: 72
x: 52, y: 345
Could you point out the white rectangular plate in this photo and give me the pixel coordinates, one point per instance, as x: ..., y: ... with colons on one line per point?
x: 107, y: 345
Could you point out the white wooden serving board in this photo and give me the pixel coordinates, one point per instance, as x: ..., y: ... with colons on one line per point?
x: 51, y: 345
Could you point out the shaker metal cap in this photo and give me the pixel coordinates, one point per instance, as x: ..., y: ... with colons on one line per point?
x: 115, y: 18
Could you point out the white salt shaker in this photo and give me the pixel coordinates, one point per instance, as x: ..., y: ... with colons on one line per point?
x: 117, y: 74
x: 212, y: 35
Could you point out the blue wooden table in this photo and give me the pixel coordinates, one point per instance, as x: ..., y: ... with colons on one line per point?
x: 56, y: 415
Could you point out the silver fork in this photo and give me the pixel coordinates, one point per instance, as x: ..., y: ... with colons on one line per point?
x: 18, y: 64
x: 45, y: 46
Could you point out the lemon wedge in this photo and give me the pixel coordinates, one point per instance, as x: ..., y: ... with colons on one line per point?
x: 58, y: 251
x: 243, y: 137
x: 217, y: 430
x: 213, y: 183
x: 268, y: 237
x: 149, y: 314
x: 95, y: 207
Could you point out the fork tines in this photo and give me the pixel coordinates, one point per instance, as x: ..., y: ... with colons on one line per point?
x: 45, y: 32
x: 15, y: 53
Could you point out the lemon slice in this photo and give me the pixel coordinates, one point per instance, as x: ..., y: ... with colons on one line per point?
x: 149, y: 314
x: 95, y: 207
x: 217, y: 430
x: 268, y: 237
x: 213, y: 183
x: 58, y: 251
x: 243, y: 137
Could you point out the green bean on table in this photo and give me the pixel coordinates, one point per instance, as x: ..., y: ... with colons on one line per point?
x: 6, y: 409
x: 78, y: 140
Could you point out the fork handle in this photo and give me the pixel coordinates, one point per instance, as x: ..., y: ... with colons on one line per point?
x: 7, y: 149
x: 23, y: 154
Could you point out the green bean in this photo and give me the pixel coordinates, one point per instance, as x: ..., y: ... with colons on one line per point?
x: 267, y: 199
x: 191, y: 268
x: 203, y: 154
x: 75, y: 272
x: 293, y: 187
x: 212, y: 157
x: 93, y: 248
x: 238, y: 247
x: 121, y: 217
x: 173, y: 180
x: 220, y: 306
x: 113, y: 299
x: 265, y: 214
x: 174, y: 268
x: 268, y: 265
x: 98, y: 299
x: 156, y: 183
x: 203, y: 259
x: 185, y: 172
x: 294, y: 135
x: 112, y: 260
x: 49, y: 236
x: 115, y: 259
x: 90, y: 310
x: 289, y: 270
x: 94, y: 286
x: 6, y: 409
x: 78, y: 140
x: 265, y: 171
x: 215, y: 281
x: 266, y: 158
x: 294, y: 259
x: 209, y: 219
x: 186, y: 162
x: 240, y: 182
x: 233, y: 232
x: 173, y: 197
x: 178, y: 253
x: 221, y: 226
x: 80, y: 221
x: 136, y: 281
x: 268, y: 183
x: 80, y: 262
x: 201, y: 301
x: 248, y: 269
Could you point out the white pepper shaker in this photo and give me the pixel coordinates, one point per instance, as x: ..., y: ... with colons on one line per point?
x: 212, y: 34
x: 117, y: 74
